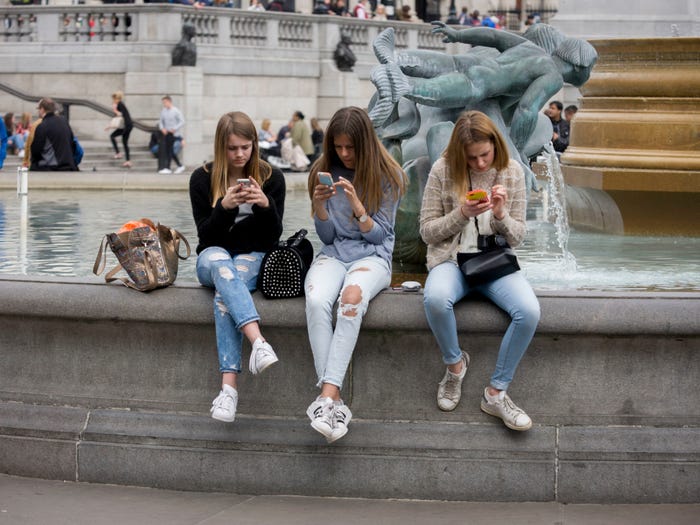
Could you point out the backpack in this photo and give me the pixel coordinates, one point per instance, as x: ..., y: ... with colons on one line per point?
x: 77, y: 151
x: 284, y: 268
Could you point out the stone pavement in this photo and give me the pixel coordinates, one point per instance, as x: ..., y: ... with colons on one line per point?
x: 35, y: 501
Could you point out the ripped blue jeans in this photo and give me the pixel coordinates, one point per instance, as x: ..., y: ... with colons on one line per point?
x: 233, y: 279
x: 325, y: 284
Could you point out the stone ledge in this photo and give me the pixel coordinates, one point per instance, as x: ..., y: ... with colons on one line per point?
x: 562, y: 312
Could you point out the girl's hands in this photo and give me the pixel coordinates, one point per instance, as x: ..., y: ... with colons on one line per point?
x: 475, y: 208
x: 322, y: 192
x: 496, y: 203
x: 499, y: 197
x: 243, y: 193
x: 358, y: 209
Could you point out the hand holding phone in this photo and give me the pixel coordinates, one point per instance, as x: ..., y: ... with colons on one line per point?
x: 245, y: 183
x: 325, y: 178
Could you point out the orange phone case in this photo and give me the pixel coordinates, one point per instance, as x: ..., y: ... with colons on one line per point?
x: 477, y: 195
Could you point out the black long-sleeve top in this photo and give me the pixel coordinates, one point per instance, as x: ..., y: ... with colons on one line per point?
x: 121, y: 108
x: 217, y: 226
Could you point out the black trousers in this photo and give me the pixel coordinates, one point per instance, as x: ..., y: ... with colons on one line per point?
x: 166, y: 153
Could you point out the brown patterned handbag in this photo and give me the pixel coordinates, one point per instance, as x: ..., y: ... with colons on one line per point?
x: 147, y: 251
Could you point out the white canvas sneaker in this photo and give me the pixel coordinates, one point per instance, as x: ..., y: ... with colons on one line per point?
x: 223, y: 407
x: 261, y: 357
x: 502, y: 406
x: 321, y: 414
x: 165, y: 171
x: 340, y: 419
x: 179, y: 169
x: 450, y: 389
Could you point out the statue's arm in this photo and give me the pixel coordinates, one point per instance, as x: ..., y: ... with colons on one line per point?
x: 479, y: 36
x: 535, y: 96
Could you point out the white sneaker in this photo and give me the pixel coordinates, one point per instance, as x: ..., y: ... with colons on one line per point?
x: 321, y: 414
x: 341, y: 418
x: 261, y: 356
x: 450, y: 389
x: 223, y: 407
x: 179, y: 169
x: 502, y: 406
x: 20, y: 153
x: 165, y: 171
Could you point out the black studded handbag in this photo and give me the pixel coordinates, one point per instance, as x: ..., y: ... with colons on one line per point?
x: 284, y: 268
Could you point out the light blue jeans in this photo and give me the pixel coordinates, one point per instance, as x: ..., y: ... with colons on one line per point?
x: 233, y: 278
x: 446, y: 285
x: 325, y: 283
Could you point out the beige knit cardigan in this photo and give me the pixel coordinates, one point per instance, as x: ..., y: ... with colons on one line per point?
x: 442, y: 222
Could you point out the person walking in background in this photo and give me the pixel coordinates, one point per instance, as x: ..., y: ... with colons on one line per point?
x: 120, y: 111
x: 476, y: 157
x: 238, y: 204
x: 170, y: 124
x: 53, y: 145
x: 355, y: 187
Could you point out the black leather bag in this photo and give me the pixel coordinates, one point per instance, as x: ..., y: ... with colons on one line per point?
x: 495, y: 259
x: 284, y: 268
x: 490, y: 263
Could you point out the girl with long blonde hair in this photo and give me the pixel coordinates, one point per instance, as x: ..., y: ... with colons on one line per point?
x: 355, y: 187
x: 238, y: 204
x: 476, y: 158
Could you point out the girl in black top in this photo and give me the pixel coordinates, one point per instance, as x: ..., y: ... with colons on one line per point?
x: 238, y: 203
x: 120, y: 111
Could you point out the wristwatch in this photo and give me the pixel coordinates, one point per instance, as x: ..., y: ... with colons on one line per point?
x: 362, y: 218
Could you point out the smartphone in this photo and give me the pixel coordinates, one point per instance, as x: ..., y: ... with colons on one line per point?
x: 477, y: 195
x: 325, y: 178
x: 243, y: 182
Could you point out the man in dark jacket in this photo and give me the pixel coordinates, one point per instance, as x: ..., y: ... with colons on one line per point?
x: 560, y: 127
x: 52, y: 148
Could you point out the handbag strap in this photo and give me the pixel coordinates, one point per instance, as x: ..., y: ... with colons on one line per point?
x: 295, y: 239
x: 476, y: 221
x: 101, y: 259
x: 177, y: 237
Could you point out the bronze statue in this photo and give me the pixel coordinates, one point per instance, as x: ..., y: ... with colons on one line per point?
x: 185, y: 51
x: 507, y: 76
x: 344, y: 57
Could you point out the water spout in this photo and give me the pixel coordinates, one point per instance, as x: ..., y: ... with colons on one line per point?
x: 554, y: 204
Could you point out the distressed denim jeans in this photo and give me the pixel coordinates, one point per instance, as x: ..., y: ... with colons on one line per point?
x: 446, y: 285
x: 327, y: 279
x: 233, y: 279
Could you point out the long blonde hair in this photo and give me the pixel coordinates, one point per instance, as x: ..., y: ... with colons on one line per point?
x: 235, y: 123
x: 472, y: 127
x: 372, y: 160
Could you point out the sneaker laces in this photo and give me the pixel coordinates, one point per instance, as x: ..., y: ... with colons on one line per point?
x: 511, y: 408
x: 220, y: 400
x: 324, y: 410
x: 452, y: 386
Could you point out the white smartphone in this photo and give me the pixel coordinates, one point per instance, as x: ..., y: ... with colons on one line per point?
x: 325, y: 178
x: 243, y: 182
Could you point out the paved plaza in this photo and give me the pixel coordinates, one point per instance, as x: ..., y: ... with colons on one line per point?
x: 35, y: 501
